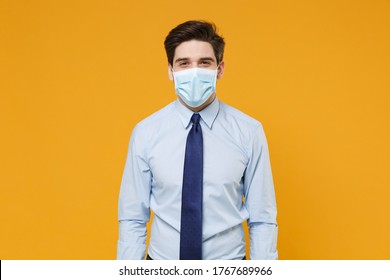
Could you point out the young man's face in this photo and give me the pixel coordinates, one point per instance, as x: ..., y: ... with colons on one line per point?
x: 195, y: 54
x: 199, y: 54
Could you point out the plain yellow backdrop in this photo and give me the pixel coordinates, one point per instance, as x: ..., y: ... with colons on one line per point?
x: 76, y: 76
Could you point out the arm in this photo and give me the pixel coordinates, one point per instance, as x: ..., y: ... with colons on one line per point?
x: 134, y: 200
x: 260, y: 199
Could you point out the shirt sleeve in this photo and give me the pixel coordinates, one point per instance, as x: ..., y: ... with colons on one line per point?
x: 259, y: 200
x: 134, y: 202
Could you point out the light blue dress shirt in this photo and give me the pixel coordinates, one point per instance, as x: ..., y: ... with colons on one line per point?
x: 237, y: 185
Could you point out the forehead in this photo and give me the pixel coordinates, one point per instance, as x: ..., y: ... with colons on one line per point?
x: 194, y: 50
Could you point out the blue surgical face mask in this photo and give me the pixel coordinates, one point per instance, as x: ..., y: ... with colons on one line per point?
x: 195, y: 85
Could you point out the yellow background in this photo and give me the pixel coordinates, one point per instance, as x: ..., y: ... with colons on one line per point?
x: 76, y: 76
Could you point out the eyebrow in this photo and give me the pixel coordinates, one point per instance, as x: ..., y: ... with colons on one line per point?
x: 207, y: 58
x: 181, y: 59
x: 200, y: 59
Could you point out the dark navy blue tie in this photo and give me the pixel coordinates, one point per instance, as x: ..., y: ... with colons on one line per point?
x: 192, y: 193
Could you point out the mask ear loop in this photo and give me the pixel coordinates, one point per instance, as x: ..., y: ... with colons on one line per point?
x: 173, y: 73
x: 216, y: 75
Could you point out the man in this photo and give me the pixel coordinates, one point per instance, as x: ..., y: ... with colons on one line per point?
x: 202, y: 166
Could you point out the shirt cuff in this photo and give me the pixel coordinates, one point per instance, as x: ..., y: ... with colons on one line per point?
x: 130, y: 251
x: 263, y: 239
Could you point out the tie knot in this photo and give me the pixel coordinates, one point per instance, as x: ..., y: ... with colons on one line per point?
x: 195, y: 118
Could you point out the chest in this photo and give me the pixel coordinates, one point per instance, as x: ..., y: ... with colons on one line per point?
x: 224, y: 162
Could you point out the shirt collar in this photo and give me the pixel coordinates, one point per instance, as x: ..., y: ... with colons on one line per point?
x: 208, y: 114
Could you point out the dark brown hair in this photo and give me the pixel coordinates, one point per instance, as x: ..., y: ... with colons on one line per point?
x: 194, y: 30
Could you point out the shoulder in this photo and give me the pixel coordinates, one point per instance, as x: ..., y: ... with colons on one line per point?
x: 157, y: 116
x: 155, y: 120
x: 235, y: 116
x: 151, y: 124
x: 247, y: 130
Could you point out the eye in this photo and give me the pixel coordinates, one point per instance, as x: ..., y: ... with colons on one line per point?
x: 205, y: 63
x: 183, y: 63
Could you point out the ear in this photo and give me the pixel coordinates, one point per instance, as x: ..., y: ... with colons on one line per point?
x: 170, y: 75
x: 221, y: 70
